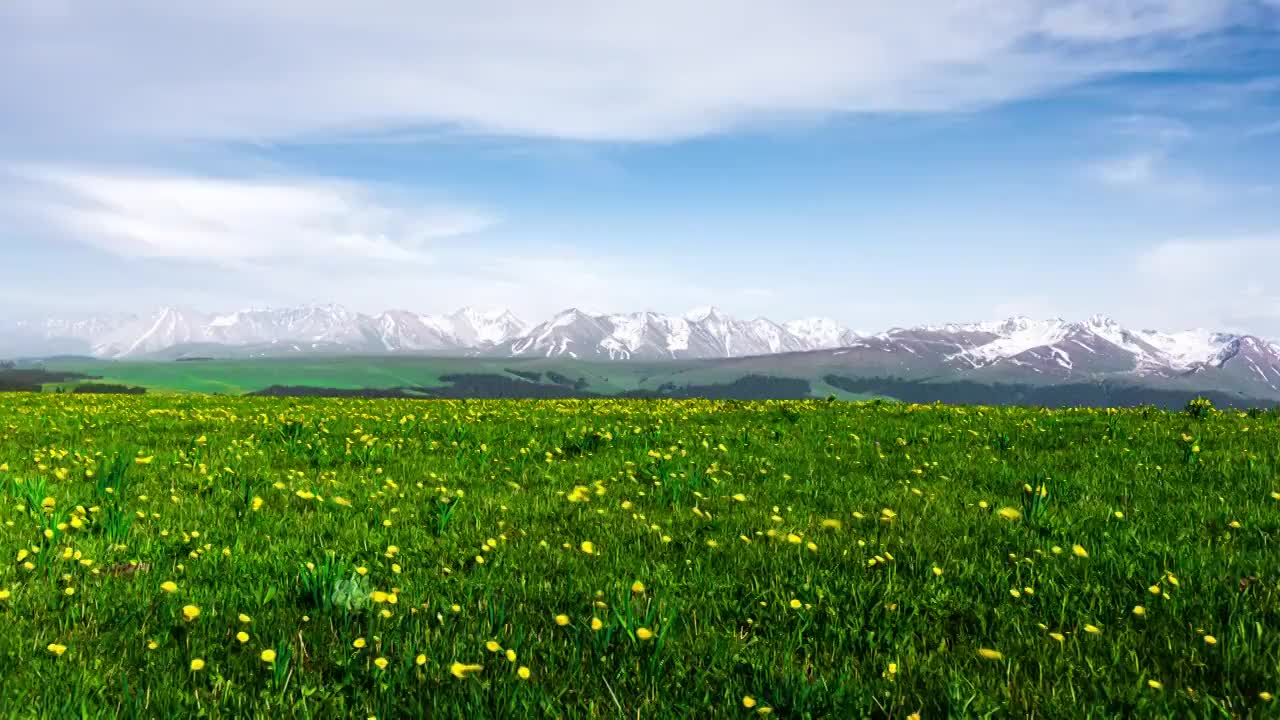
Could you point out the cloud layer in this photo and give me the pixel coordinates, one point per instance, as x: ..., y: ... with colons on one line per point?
x: 252, y: 71
x: 232, y: 221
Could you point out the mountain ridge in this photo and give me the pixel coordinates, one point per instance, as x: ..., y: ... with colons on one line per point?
x: 1017, y: 348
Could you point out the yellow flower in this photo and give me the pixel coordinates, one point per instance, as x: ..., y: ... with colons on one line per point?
x: 1210, y: 640
x: 937, y: 571
x: 1139, y: 610
x: 358, y: 643
x: 990, y: 654
x: 1057, y: 636
x: 562, y: 620
x: 796, y: 604
x: 596, y: 624
x: 1154, y: 684
x: 511, y: 655
x: 245, y: 618
x: 242, y: 636
x: 5, y: 594
x: 1265, y: 696
x: 1092, y: 629
x: 637, y: 587
x: 588, y: 547
x: 169, y: 586
x: 381, y: 663
x: 1079, y: 551
x: 420, y: 660
x: 523, y: 672
x: 362, y: 570
x: 644, y: 633
x: 190, y: 612
x: 197, y: 665
x: 1009, y: 513
x: 748, y: 701
x: 268, y: 656
x: 492, y: 646
x: 460, y: 670
x: 56, y: 649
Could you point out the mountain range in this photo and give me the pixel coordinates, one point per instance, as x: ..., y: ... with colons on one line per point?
x: 1015, y: 350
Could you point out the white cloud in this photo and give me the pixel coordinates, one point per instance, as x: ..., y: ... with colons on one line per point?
x: 1147, y: 172
x: 1227, y: 283
x: 1150, y: 128
x: 231, y: 221
x: 244, y: 70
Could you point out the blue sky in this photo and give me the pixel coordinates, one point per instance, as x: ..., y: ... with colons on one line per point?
x: 881, y: 164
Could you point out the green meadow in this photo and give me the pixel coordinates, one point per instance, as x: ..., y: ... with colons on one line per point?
x: 186, y: 556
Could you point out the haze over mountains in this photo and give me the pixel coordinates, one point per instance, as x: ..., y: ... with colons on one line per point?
x: 1019, y: 349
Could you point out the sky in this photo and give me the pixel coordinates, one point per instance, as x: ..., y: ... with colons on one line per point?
x: 882, y: 164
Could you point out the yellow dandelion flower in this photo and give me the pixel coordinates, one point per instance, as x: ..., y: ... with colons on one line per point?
x: 562, y: 620
x: 244, y: 618
x: 596, y: 624
x: 523, y: 673
x: 588, y: 547
x: 492, y: 646
x: 1154, y: 684
x: 1079, y: 551
x: 56, y: 649
x: 1057, y: 636
x: 243, y: 637
x: 420, y: 660
x: 358, y: 643
x: 644, y: 633
x: 748, y: 701
x: 1009, y: 513
x: 268, y: 656
x: 1092, y: 629
x: 637, y: 587
x: 381, y: 663
x: 1139, y: 610
x: 190, y: 612
x: 169, y: 586
x: 795, y: 604
x: 1210, y: 640
x: 197, y: 664
x: 990, y: 654
x: 460, y: 670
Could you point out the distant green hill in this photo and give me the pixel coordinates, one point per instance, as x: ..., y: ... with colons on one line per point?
x: 454, y: 377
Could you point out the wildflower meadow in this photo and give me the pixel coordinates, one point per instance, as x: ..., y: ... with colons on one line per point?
x: 185, y: 556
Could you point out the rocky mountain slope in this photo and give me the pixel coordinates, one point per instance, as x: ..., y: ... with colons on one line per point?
x: 1019, y: 349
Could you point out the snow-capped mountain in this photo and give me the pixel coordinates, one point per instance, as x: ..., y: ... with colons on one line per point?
x: 704, y: 333
x: 1017, y: 349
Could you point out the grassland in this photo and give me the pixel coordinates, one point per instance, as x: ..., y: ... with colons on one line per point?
x: 233, y: 557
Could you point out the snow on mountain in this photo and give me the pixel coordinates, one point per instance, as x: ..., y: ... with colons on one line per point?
x: 819, y: 333
x: 472, y: 327
x: 1013, y: 349
x: 164, y: 329
x: 1184, y: 349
